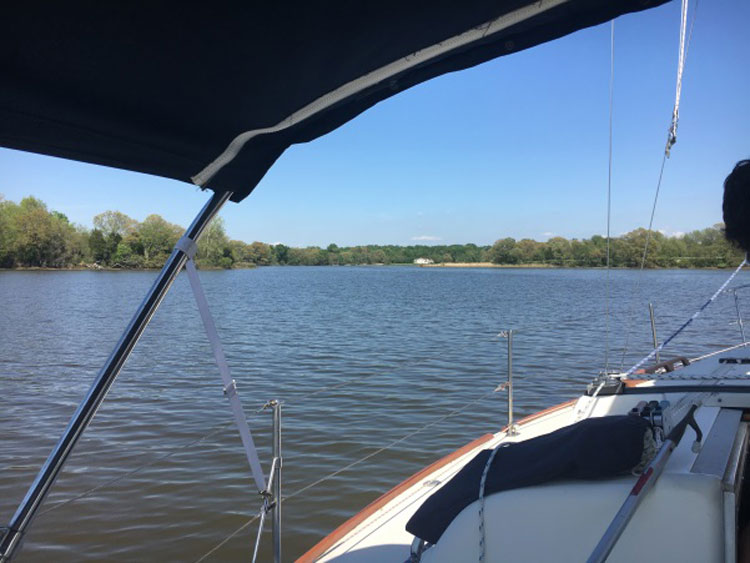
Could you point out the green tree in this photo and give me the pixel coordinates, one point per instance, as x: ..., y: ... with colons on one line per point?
x: 8, y: 235
x: 557, y: 251
x: 214, y: 250
x: 37, y: 243
x: 502, y: 251
x: 262, y: 253
x: 34, y: 236
x: 281, y: 252
x: 529, y: 251
x: 114, y: 222
x: 158, y: 237
x: 98, y: 246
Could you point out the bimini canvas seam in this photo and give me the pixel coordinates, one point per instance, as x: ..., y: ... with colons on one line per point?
x: 375, y: 77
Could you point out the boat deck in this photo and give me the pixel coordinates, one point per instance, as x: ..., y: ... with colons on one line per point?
x: 689, y: 516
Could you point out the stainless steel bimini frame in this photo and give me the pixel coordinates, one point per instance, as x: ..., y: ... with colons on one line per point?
x: 36, y: 494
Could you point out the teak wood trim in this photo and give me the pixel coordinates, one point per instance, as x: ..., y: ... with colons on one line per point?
x: 320, y: 548
x: 327, y: 542
x: 633, y: 382
x: 545, y: 412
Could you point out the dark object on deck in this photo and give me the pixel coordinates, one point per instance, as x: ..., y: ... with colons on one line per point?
x: 594, y: 448
x: 667, y: 365
x: 736, y: 205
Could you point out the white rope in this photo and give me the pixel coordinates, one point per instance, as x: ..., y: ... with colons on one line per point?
x: 588, y: 408
x: 661, y: 346
x: 230, y: 388
x: 482, y: 483
x: 717, y: 352
x: 671, y: 140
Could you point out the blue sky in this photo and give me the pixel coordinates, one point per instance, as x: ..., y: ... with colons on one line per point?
x: 514, y: 147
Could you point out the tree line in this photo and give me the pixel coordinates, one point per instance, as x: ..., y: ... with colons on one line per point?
x: 706, y: 248
x: 33, y: 236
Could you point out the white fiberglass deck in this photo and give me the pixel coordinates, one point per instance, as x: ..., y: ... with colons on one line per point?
x: 689, y: 516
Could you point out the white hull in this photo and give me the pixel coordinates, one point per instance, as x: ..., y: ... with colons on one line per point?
x: 690, y: 515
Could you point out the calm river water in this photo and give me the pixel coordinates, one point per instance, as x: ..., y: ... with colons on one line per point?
x: 361, y: 356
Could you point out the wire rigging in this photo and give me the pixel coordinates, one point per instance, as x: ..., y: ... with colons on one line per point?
x: 122, y: 476
x: 684, y: 46
x: 609, y: 192
x: 212, y: 432
x: 683, y: 50
x: 661, y: 346
x: 350, y: 465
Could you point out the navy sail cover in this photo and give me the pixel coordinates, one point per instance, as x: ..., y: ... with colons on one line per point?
x: 164, y: 87
x: 595, y: 448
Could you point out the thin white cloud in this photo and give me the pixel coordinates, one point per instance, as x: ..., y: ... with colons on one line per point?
x: 426, y: 238
x: 548, y: 234
x: 674, y: 234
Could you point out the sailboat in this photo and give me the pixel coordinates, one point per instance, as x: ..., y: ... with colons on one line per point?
x: 212, y: 97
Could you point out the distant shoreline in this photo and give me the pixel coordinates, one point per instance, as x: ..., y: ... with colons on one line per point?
x: 486, y: 265
x: 538, y: 266
x: 533, y: 266
x: 90, y: 268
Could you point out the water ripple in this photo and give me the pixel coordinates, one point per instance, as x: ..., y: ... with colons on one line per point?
x: 360, y: 356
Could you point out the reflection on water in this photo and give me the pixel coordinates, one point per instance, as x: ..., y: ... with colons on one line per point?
x: 361, y: 356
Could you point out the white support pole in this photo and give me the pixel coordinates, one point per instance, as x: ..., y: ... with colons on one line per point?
x: 230, y: 388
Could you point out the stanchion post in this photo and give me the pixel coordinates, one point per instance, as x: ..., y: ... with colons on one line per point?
x: 512, y: 430
x: 653, y: 330
x: 276, y: 405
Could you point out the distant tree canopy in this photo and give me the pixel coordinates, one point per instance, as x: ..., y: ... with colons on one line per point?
x: 33, y: 236
x: 698, y: 249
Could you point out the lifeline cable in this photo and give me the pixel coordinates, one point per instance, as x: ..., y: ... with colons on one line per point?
x: 717, y: 352
x: 215, y: 430
x: 349, y: 466
x: 661, y: 346
x: 585, y: 410
x: 87, y: 492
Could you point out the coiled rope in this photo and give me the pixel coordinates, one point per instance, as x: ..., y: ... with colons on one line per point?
x: 482, y: 483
